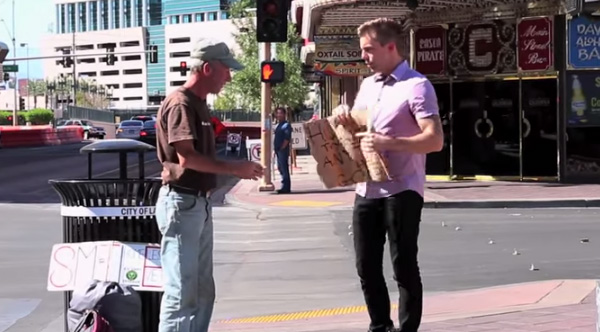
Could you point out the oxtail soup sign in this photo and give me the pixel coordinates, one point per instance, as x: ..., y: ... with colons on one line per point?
x: 535, y: 44
x: 482, y: 48
x: 430, y: 50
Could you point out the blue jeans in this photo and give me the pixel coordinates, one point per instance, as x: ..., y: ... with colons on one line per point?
x: 283, y: 166
x: 185, y: 222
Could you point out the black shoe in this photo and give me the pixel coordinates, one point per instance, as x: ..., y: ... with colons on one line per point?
x: 281, y: 191
x: 387, y: 329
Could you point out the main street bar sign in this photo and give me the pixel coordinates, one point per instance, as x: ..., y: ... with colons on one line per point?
x: 430, y: 50
x: 535, y: 47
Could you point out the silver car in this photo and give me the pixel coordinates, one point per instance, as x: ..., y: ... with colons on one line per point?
x: 130, y: 129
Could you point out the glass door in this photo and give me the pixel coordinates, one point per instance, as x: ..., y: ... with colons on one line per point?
x: 540, y: 119
x: 438, y: 163
x: 486, y: 128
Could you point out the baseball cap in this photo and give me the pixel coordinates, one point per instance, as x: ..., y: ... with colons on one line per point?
x: 209, y: 49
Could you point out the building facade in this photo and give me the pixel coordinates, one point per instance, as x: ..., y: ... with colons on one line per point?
x: 517, y: 81
x: 132, y: 26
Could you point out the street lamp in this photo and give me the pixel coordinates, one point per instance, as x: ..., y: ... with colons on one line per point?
x: 28, y: 81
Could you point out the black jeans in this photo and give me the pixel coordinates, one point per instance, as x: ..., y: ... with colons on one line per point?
x: 399, y: 216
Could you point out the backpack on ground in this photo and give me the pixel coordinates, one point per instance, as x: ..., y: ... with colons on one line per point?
x: 120, y: 306
x: 92, y: 321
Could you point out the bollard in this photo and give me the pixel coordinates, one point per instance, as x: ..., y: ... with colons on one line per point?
x: 89, y: 205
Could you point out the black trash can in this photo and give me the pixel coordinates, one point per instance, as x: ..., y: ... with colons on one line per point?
x: 112, y: 195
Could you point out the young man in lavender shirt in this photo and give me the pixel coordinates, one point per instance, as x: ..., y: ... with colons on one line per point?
x: 405, y: 127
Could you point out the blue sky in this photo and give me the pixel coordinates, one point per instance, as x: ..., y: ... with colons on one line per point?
x: 33, y: 19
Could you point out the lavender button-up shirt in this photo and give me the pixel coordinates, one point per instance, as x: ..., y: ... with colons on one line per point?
x: 396, y: 103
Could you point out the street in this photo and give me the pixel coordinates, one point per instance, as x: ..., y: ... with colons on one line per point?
x: 284, y: 260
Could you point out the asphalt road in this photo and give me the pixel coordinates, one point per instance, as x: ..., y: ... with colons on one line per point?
x: 24, y: 173
x: 280, y: 260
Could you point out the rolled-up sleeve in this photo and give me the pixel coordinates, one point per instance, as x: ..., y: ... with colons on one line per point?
x: 423, y: 100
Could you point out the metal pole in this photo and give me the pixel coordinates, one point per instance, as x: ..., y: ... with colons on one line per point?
x: 14, y: 42
x: 28, y: 81
x: 74, y: 72
x: 266, y: 150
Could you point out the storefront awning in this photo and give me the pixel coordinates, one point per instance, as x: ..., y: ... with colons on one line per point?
x: 329, y: 13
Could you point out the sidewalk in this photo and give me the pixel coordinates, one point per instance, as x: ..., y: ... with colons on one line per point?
x: 307, y: 191
x: 551, y: 306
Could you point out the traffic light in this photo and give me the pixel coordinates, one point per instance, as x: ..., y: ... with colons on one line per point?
x: 67, y: 61
x: 21, y: 103
x: 272, y: 71
x: 6, y: 77
x: 272, y: 21
x: 153, y: 55
x: 183, y: 68
x: 110, y: 59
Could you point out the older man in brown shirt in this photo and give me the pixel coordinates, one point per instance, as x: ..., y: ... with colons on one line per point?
x: 186, y: 149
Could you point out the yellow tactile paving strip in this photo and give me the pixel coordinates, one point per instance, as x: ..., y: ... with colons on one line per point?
x: 306, y: 203
x: 299, y: 315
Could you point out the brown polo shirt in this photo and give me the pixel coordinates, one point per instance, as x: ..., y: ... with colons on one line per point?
x: 183, y: 116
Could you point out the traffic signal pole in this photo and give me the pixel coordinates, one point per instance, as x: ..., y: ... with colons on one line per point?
x: 265, y: 137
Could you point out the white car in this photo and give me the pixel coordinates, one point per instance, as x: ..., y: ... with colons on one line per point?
x: 130, y: 129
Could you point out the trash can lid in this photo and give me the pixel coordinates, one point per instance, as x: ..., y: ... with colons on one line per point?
x: 116, y: 145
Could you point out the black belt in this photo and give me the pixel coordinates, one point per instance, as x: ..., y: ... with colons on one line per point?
x: 189, y: 191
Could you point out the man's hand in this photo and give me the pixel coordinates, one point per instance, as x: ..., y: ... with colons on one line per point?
x: 247, y: 170
x: 371, y: 142
x: 343, y: 117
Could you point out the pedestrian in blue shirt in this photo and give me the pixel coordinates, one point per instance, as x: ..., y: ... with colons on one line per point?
x: 281, y: 146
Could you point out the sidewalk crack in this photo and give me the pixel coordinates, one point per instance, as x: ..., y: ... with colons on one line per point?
x: 550, y: 292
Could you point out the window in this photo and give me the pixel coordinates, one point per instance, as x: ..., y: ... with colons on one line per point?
x: 224, y: 15
x: 130, y: 43
x: 109, y: 73
x: 131, y: 57
x: 84, y: 47
x: 86, y: 60
x: 212, y: 16
x: 179, y: 40
x: 174, y: 20
x: 177, y: 83
x: 132, y: 98
x: 180, y: 54
x: 132, y: 85
x: 200, y: 17
x: 187, y: 18
x: 132, y: 71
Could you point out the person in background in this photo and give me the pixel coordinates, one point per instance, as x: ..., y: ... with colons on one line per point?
x: 281, y: 147
x: 405, y: 127
x: 186, y: 150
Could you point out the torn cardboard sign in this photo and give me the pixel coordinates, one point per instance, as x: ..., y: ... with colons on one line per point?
x: 340, y: 161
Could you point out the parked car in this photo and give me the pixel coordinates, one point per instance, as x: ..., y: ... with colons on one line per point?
x: 144, y: 118
x: 148, y: 133
x: 89, y: 130
x: 130, y: 129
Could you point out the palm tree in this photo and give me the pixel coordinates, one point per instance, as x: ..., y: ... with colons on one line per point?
x: 36, y: 88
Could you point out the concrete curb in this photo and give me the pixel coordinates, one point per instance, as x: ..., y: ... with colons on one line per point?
x: 230, y: 199
x: 499, y: 204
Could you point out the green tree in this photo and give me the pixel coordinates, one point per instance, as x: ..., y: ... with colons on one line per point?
x: 36, y: 88
x: 244, y: 89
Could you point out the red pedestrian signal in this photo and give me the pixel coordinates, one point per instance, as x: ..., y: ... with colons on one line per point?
x: 272, y: 71
x: 267, y: 71
x: 183, y: 68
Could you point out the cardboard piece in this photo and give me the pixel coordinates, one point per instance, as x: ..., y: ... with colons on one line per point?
x: 340, y: 161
